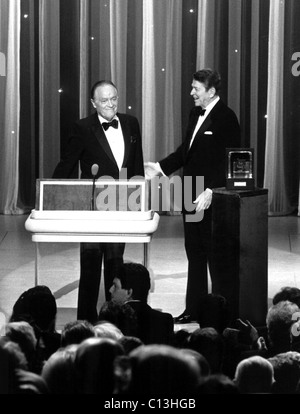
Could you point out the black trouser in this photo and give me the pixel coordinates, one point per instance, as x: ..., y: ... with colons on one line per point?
x: 198, y: 249
x: 91, y: 255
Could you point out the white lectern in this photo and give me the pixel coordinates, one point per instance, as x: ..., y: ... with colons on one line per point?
x: 63, y: 214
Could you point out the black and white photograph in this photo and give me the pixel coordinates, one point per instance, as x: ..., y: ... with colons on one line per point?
x: 149, y: 199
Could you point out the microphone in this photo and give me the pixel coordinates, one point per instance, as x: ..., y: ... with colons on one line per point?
x: 94, y: 171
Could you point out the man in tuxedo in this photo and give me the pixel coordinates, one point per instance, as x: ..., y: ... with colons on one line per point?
x: 212, y: 128
x: 112, y: 141
x: 131, y: 285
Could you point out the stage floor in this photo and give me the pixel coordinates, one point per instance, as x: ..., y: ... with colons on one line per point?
x: 59, y: 265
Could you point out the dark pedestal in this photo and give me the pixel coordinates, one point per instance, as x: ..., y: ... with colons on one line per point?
x: 239, y: 270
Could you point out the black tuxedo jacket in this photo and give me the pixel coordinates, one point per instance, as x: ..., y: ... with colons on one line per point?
x: 153, y: 326
x: 88, y: 144
x: 207, y: 155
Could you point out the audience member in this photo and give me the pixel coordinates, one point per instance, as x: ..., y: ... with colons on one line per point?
x: 104, y: 329
x: 94, y: 364
x: 286, y: 367
x: 132, y: 286
x: 254, y: 375
x: 59, y: 371
x: 75, y: 332
x: 180, y: 338
x: 162, y: 370
x: 217, y: 384
x: 22, y: 333
x: 289, y: 293
x: 37, y: 306
x: 129, y: 343
x: 201, y: 360
x: 14, y: 375
x: 209, y: 343
x: 121, y: 315
x: 213, y: 312
x: 279, y: 324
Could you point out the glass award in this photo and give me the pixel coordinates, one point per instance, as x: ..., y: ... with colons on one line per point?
x: 239, y: 169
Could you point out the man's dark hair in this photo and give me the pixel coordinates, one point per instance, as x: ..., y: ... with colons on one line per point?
x: 135, y: 276
x: 36, y: 306
x: 101, y: 83
x: 210, y: 78
x: 289, y: 293
x: 75, y: 332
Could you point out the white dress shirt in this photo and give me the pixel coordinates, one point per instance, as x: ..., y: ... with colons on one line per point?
x: 116, y: 141
x: 202, y: 118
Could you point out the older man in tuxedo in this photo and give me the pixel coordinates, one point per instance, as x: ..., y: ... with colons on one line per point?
x: 212, y: 128
x: 112, y: 141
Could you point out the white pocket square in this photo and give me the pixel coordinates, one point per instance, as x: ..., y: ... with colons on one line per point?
x: 208, y: 133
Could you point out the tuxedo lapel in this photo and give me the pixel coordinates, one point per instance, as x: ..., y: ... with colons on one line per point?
x: 127, y: 137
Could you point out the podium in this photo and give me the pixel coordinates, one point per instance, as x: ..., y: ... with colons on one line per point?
x: 62, y: 214
x: 239, y: 270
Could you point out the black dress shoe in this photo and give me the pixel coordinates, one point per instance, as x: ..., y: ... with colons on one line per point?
x: 183, y: 318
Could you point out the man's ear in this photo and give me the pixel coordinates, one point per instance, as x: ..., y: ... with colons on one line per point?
x: 212, y: 91
x: 130, y: 291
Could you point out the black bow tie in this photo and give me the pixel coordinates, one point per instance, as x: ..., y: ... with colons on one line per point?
x: 201, y: 111
x: 113, y: 123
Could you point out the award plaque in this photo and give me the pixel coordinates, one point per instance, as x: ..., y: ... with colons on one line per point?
x: 239, y: 169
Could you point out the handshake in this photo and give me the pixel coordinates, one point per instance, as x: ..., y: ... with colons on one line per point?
x: 152, y: 169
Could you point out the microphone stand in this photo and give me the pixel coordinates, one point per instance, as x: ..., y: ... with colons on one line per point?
x: 92, y: 207
x: 94, y: 171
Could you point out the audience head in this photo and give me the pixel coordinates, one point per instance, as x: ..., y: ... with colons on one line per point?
x: 22, y: 333
x: 76, y: 331
x: 254, y: 375
x: 210, y: 344
x: 132, y: 282
x: 201, y: 360
x: 217, y: 384
x: 213, y: 312
x: 59, y: 371
x: 181, y: 338
x: 104, y: 329
x: 162, y: 369
x: 121, y: 315
x: 94, y: 364
x: 279, y: 325
x: 36, y: 306
x: 11, y: 359
x: 130, y: 343
x: 286, y: 367
x: 289, y: 293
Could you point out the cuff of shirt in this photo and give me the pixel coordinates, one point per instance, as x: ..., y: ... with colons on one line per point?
x: 209, y: 190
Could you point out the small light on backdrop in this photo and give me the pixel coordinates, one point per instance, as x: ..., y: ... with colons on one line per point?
x: 129, y: 107
x: 25, y: 16
x: 60, y: 90
x: 192, y: 11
